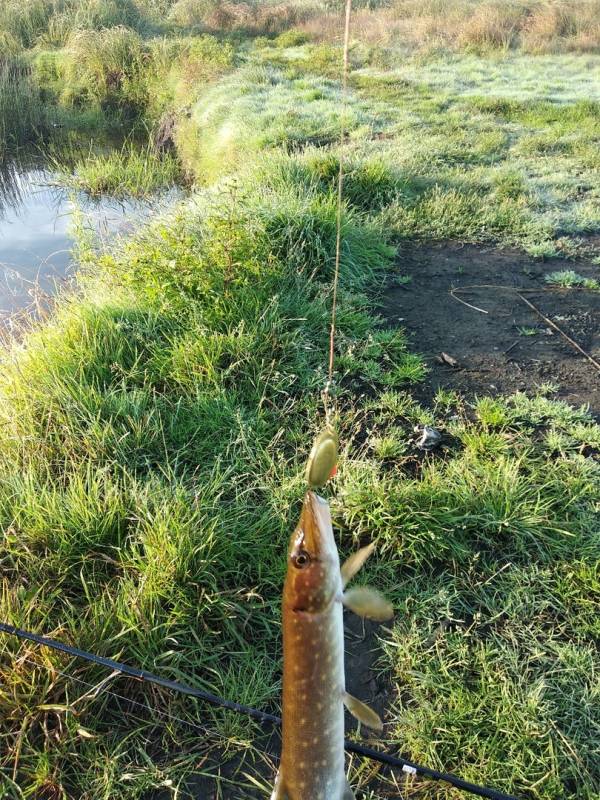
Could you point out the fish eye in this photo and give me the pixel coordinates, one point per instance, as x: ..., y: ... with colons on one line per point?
x: 301, y: 560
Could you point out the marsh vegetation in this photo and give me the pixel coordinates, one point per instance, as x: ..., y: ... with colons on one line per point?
x: 153, y: 428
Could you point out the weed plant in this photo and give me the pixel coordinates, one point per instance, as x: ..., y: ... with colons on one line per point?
x: 567, y: 278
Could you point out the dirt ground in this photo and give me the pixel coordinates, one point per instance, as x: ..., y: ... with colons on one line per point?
x: 510, y: 348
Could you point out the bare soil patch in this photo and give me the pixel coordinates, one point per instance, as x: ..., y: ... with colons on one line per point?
x: 510, y: 348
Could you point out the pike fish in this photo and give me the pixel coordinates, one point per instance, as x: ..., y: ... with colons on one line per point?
x: 314, y: 691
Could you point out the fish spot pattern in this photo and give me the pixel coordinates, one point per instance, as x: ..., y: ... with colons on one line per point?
x: 312, y: 761
x: 314, y: 707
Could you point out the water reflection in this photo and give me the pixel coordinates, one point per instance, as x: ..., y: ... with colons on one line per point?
x: 10, y: 188
x: 36, y: 220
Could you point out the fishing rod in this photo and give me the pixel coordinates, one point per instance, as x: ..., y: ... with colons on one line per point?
x: 408, y: 767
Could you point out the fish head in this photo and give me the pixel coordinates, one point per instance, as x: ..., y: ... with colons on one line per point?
x: 313, y: 577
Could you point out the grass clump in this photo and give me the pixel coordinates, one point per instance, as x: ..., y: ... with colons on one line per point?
x: 103, y: 68
x: 370, y: 182
x: 50, y: 23
x: 22, y: 119
x: 493, y: 653
x: 509, y: 691
x: 248, y: 18
x: 178, y: 70
x: 133, y: 171
x: 25, y: 21
x: 568, y: 278
x: 127, y: 78
x: 261, y: 108
x: 291, y: 38
x: 489, y: 26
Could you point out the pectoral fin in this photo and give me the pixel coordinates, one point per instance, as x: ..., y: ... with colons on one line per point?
x: 355, y: 562
x: 348, y: 793
x: 368, y: 602
x: 362, y: 712
x: 279, y: 792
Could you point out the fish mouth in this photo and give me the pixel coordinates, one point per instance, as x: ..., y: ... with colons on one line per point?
x: 315, y: 525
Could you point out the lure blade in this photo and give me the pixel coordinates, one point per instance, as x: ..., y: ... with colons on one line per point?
x: 323, y: 457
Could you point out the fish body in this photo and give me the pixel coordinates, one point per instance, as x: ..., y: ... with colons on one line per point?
x: 314, y: 692
x: 312, y: 762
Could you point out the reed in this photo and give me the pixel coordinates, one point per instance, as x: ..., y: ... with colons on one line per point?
x: 22, y: 116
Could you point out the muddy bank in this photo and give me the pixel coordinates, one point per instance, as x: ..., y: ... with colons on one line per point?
x: 509, y: 348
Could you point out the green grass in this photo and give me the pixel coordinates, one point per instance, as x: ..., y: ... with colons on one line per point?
x: 51, y: 22
x: 96, y: 79
x: 132, y: 171
x: 154, y: 450
x: 568, y: 278
x: 260, y: 108
x: 153, y: 432
x: 21, y: 118
x: 469, y: 684
x: 479, y: 149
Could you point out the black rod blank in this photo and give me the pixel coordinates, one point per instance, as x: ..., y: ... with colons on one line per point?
x: 261, y: 716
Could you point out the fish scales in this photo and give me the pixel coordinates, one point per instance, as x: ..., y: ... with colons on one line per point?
x: 312, y: 762
x: 313, y: 719
x: 314, y: 694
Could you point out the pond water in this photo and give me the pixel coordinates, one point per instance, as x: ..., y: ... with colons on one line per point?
x: 36, y: 231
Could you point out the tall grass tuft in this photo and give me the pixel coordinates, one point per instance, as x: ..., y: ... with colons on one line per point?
x: 104, y: 68
x: 260, y: 108
x: 26, y: 19
x: 22, y: 116
x: 251, y: 18
x: 132, y: 171
x: 533, y: 25
x: 51, y: 22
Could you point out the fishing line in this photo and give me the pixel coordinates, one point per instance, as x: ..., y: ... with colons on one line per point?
x: 340, y: 198
x: 408, y: 767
